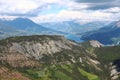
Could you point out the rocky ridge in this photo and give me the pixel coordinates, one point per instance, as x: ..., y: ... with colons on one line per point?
x: 32, y: 55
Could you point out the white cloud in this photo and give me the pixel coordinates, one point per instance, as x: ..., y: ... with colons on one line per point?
x: 66, y: 15
x: 114, y: 10
x: 74, y: 10
x: 77, y: 6
x: 7, y: 17
x: 17, y: 6
x: 24, y: 6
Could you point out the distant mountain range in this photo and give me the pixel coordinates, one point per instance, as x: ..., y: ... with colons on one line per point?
x: 23, y: 26
x: 6, y: 31
x: 74, y: 27
x: 106, y: 35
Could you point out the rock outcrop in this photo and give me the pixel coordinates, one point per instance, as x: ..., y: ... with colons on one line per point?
x: 95, y: 43
x: 40, y: 45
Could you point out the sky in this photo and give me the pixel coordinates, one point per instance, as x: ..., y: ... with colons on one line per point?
x: 42, y: 11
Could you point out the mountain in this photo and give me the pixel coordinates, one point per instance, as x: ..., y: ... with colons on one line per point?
x: 24, y: 26
x: 74, y: 27
x: 106, y: 35
x: 7, y: 31
x: 52, y: 57
x: 28, y: 26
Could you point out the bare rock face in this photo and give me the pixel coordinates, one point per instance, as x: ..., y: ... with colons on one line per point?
x: 38, y: 46
x: 95, y: 43
x: 26, y: 51
x: 114, y: 73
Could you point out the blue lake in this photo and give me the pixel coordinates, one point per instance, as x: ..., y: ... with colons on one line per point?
x: 74, y: 37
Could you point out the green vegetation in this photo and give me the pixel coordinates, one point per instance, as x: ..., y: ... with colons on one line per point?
x: 67, y: 67
x: 37, y: 74
x: 108, y: 54
x: 62, y: 76
x: 90, y: 76
x: 57, y: 72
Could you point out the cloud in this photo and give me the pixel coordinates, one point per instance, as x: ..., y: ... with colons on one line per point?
x: 77, y: 6
x: 17, y: 7
x: 113, y: 10
x: 103, y: 6
x: 92, y: 1
x: 6, y: 17
x: 25, y: 7
x: 99, y: 4
x: 61, y: 10
x: 100, y: 7
x: 86, y: 16
x: 19, y: 14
